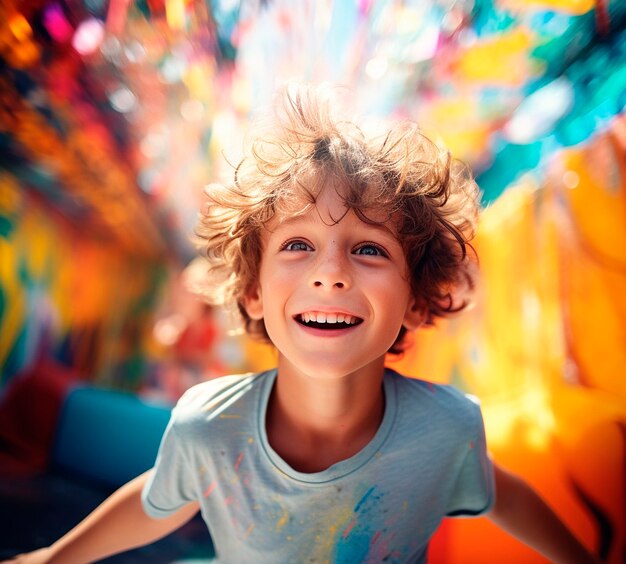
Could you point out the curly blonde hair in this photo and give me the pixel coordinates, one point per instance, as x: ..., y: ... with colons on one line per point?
x: 431, y: 198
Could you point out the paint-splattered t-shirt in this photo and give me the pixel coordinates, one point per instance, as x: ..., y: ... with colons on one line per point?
x: 427, y: 460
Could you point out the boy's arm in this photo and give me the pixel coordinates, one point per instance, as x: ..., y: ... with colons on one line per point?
x: 118, y: 524
x: 521, y: 512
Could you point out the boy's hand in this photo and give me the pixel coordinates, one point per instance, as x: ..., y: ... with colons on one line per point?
x: 40, y: 556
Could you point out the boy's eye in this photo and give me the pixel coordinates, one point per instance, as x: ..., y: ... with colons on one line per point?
x: 295, y: 246
x: 371, y: 250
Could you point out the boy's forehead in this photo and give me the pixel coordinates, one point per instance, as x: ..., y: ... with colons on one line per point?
x: 318, y: 212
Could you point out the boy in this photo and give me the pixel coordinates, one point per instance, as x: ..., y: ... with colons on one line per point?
x: 333, y: 245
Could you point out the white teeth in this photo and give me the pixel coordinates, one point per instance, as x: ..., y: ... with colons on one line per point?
x: 321, y: 317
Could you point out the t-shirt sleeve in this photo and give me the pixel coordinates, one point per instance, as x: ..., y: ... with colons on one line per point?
x: 169, y: 486
x: 474, y: 490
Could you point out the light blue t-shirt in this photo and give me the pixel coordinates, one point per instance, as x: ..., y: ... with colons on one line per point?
x: 427, y: 460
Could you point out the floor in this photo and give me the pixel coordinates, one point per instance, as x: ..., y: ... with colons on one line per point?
x: 35, y: 512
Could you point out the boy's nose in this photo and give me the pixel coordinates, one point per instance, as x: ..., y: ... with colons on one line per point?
x: 337, y: 284
x: 331, y: 272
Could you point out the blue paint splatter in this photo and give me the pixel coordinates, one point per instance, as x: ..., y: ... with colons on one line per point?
x: 364, y: 499
x: 353, y: 549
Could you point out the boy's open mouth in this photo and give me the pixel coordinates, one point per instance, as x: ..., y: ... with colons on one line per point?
x: 320, y: 320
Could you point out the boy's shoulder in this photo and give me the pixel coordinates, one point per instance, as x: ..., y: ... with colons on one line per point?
x: 218, y: 395
x: 436, y: 399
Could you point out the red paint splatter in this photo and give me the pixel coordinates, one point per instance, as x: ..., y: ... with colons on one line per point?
x: 431, y: 387
x: 238, y: 462
x: 375, y: 537
x: 210, y: 489
x: 471, y: 444
x: 349, y: 528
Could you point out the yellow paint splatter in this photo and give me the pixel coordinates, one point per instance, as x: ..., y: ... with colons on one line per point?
x: 337, y: 520
x: 282, y: 521
x: 229, y: 416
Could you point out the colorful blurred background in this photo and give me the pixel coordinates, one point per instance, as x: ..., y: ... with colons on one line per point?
x: 115, y: 114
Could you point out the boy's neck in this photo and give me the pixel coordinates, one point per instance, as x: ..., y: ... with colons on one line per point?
x: 313, y: 422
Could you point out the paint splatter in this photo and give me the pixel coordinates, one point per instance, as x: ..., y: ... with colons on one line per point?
x: 364, y: 499
x: 229, y: 416
x: 282, y: 521
x: 238, y: 462
x: 349, y: 528
x: 210, y: 489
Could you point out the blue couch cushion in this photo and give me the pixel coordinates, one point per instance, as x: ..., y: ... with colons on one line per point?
x: 107, y: 436
x: 103, y: 439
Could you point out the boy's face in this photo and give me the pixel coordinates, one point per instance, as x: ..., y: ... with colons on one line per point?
x: 333, y: 295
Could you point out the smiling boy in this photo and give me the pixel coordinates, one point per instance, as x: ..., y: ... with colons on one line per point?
x: 333, y: 244
x: 333, y: 293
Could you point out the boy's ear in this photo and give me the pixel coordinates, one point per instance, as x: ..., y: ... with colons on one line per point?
x: 414, y: 315
x: 253, y: 303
